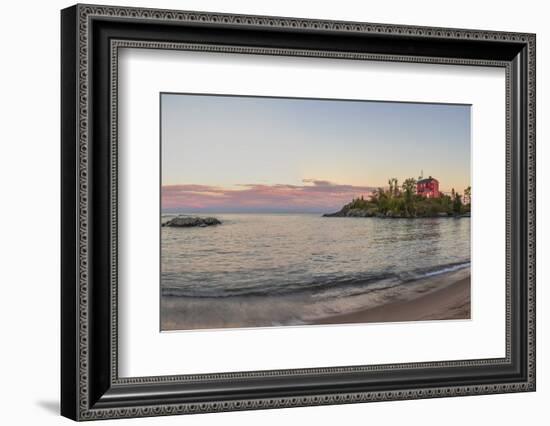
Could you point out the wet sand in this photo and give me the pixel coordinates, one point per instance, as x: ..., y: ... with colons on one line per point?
x: 439, y: 297
x: 450, y: 302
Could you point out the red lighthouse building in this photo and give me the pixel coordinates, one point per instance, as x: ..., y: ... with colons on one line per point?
x: 428, y: 188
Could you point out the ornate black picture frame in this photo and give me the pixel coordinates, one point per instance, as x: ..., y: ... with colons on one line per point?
x: 91, y: 387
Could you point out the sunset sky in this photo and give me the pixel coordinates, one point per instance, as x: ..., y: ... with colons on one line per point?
x: 256, y: 154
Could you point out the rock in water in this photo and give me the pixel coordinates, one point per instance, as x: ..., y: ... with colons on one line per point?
x: 191, y: 221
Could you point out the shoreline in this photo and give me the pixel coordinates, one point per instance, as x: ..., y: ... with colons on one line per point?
x: 397, y: 216
x: 450, y: 302
x: 441, y: 297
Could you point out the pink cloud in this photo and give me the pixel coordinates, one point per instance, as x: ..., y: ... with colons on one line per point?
x: 314, y: 195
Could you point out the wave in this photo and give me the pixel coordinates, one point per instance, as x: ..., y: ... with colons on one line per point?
x: 300, y: 308
x: 320, y: 287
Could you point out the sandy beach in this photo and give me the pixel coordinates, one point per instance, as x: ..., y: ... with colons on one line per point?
x: 439, y: 297
x: 450, y: 302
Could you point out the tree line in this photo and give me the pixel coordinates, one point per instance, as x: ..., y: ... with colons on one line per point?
x: 403, y: 201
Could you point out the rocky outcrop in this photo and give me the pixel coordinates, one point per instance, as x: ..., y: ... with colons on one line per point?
x: 353, y: 213
x: 346, y: 212
x: 191, y: 221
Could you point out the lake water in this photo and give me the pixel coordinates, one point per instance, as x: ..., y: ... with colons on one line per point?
x: 259, y: 255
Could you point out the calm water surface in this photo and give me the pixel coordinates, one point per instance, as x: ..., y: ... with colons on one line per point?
x: 297, y: 254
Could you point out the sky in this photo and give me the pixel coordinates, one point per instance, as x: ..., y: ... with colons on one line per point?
x: 259, y: 154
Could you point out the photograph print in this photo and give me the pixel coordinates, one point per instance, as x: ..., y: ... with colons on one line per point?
x: 306, y: 212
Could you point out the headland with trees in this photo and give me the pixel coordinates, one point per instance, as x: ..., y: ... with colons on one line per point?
x: 403, y: 201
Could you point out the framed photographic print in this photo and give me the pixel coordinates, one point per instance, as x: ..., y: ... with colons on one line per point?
x: 263, y: 212
x: 272, y: 256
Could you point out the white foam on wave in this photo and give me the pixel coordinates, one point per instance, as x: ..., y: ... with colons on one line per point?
x: 297, y: 309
